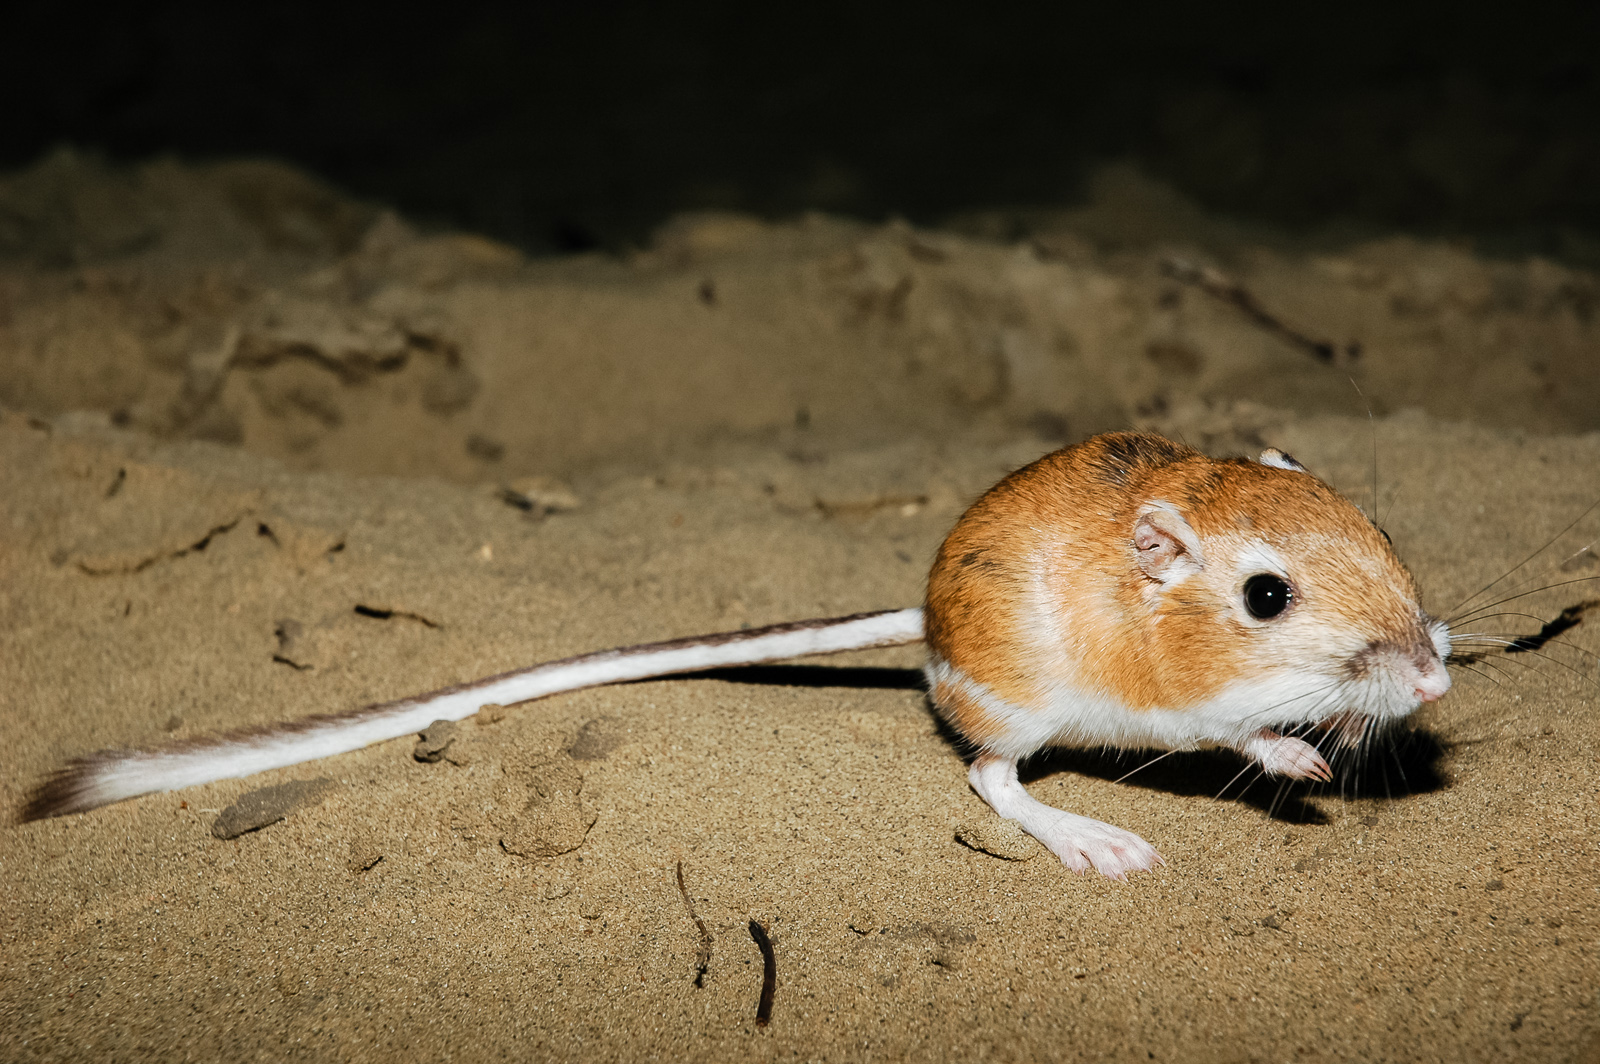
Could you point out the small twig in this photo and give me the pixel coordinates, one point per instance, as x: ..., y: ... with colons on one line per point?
x: 769, y: 973
x: 1215, y: 283
x: 702, y: 959
x: 384, y: 613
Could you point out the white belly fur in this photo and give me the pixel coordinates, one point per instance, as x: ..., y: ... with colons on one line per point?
x: 1070, y: 716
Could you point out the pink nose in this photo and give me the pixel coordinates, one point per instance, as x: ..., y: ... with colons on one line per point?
x: 1432, y: 682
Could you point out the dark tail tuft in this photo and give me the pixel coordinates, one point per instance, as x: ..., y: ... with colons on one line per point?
x: 66, y: 790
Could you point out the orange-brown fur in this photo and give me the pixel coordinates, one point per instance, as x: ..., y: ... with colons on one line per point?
x: 1063, y: 528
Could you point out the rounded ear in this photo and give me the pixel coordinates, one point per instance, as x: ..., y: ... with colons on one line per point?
x: 1168, y: 549
x: 1278, y: 460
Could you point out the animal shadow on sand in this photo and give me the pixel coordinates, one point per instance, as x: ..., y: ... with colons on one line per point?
x: 1391, y: 764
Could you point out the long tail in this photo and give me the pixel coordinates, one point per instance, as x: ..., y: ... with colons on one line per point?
x: 114, y: 775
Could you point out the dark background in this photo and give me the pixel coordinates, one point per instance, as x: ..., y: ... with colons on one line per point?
x: 561, y: 126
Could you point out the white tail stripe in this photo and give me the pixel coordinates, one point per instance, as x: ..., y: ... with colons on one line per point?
x: 113, y: 776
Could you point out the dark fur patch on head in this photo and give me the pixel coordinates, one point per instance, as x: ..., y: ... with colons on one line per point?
x: 978, y: 559
x: 1122, y: 454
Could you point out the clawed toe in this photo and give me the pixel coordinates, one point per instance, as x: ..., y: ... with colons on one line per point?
x: 1108, y: 850
x: 1282, y: 755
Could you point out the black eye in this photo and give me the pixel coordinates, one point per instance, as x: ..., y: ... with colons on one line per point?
x: 1266, y: 596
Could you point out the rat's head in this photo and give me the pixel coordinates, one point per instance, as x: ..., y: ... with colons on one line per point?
x: 1288, y: 592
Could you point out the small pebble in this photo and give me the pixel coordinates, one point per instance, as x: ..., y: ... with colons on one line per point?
x: 434, y: 743
x: 256, y: 809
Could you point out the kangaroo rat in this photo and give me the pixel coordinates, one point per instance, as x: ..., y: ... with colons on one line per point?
x: 1126, y: 592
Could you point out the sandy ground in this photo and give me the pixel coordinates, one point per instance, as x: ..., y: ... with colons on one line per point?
x: 253, y: 455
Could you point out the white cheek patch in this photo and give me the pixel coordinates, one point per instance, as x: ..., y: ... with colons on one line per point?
x: 1439, y: 633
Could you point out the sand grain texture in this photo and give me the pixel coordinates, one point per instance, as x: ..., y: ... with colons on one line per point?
x: 746, y: 423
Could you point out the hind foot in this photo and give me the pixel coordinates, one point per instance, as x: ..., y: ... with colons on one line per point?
x: 1080, y: 842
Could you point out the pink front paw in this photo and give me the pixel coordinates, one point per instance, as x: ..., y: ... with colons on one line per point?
x: 1282, y: 755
